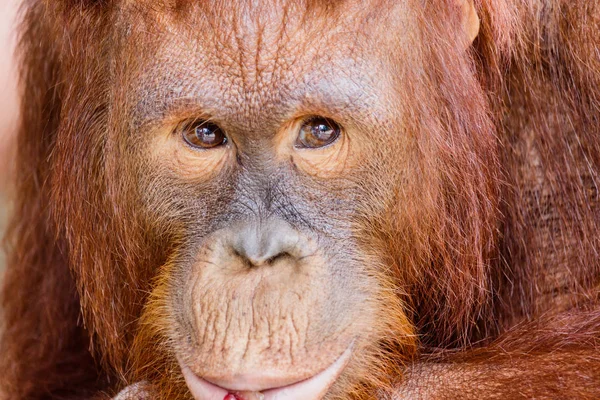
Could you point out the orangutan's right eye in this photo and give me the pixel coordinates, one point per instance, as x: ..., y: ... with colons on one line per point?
x: 202, y: 134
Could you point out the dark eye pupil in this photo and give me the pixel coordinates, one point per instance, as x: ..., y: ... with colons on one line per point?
x: 203, y: 134
x: 318, y: 132
x: 322, y: 131
x: 206, y: 135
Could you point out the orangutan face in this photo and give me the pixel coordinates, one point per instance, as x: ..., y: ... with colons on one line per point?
x: 262, y: 148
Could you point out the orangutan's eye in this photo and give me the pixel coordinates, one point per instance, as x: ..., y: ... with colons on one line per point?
x: 202, y: 134
x: 317, y: 132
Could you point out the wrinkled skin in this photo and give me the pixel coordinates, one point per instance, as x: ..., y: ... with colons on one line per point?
x: 305, y: 200
x: 271, y: 275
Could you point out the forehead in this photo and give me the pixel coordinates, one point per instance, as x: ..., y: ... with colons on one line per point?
x: 253, y: 58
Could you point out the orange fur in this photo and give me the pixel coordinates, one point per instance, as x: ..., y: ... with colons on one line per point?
x: 488, y: 258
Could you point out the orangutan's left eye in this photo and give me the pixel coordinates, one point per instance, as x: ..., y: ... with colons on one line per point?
x: 317, y: 132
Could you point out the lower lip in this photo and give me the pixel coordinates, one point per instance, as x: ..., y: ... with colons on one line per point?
x: 309, y: 389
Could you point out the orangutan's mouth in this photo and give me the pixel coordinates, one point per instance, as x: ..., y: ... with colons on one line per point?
x: 313, y: 388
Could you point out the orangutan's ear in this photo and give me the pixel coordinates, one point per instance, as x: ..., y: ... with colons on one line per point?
x: 469, y: 19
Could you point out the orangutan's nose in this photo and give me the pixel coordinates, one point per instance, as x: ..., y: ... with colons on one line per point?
x: 264, y: 243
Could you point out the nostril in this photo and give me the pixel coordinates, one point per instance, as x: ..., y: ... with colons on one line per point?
x: 258, y: 260
x: 277, y: 257
x: 243, y: 257
x: 265, y: 244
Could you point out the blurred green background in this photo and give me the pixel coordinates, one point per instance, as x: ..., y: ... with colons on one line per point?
x: 8, y: 106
